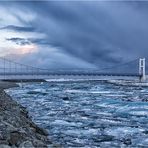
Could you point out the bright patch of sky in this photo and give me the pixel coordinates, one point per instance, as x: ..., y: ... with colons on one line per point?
x: 11, y: 18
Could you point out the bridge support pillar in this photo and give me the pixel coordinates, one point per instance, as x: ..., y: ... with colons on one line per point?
x: 142, y: 69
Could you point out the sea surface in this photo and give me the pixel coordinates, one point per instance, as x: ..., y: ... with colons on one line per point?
x: 89, y: 113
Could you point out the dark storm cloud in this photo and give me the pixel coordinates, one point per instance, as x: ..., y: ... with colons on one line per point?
x: 100, y: 33
x: 18, y: 28
x: 19, y: 41
x: 74, y: 27
x: 28, y: 41
x: 97, y: 32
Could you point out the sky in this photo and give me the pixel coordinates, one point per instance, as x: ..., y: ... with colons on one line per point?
x: 73, y: 34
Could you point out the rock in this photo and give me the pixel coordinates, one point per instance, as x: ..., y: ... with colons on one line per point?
x: 127, y: 141
x: 15, y: 137
x: 65, y: 98
x: 4, y: 142
x: 4, y: 146
x: 40, y: 144
x: 39, y: 130
x: 144, y: 100
x: 9, y: 126
x: 37, y: 92
x: 17, y: 128
x: 24, y: 112
x: 104, y: 138
x: 33, y: 92
x: 145, y: 132
x: 26, y: 144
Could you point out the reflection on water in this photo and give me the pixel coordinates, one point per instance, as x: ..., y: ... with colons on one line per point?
x: 88, y: 114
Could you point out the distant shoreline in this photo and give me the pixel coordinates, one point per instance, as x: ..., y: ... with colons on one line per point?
x: 24, y: 80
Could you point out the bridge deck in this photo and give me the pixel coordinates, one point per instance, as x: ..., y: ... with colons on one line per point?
x: 68, y: 73
x: 14, y: 76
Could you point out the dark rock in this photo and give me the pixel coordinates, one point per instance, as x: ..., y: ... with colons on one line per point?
x: 104, y: 138
x: 16, y: 137
x: 65, y: 98
x: 38, y: 129
x: 127, y: 141
x: 37, y: 92
x: 41, y: 131
x: 144, y: 100
x: 24, y: 112
x: 145, y: 132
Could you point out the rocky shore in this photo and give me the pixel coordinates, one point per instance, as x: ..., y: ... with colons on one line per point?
x: 16, y: 127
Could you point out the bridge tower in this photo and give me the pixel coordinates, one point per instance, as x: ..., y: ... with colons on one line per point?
x: 142, y: 69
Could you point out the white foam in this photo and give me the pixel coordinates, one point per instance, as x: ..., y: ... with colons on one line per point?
x: 88, y: 92
x: 139, y: 113
x: 64, y: 80
x: 122, y: 131
x: 64, y: 123
x: 82, y: 132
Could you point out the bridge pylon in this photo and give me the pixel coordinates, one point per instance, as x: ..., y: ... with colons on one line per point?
x: 142, y: 72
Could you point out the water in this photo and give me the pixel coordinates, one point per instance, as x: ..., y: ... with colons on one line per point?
x: 88, y: 114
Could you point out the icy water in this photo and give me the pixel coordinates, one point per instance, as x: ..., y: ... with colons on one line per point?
x: 88, y: 114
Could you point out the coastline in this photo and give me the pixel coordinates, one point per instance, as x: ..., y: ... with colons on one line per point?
x: 16, y: 127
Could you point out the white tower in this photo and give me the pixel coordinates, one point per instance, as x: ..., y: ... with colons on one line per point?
x: 142, y: 69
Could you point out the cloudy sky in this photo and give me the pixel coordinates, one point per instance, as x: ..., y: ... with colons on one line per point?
x: 78, y: 34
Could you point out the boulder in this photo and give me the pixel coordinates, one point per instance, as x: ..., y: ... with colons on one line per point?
x: 39, y: 144
x: 4, y: 146
x: 26, y: 144
x: 16, y: 137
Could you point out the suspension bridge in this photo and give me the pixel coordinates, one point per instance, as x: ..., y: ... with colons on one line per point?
x: 11, y: 70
